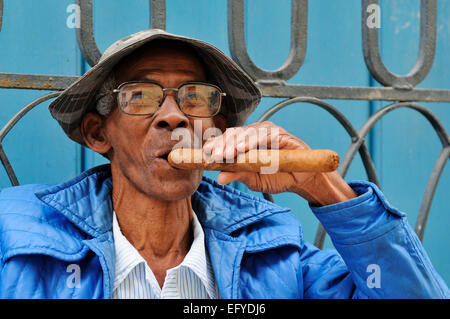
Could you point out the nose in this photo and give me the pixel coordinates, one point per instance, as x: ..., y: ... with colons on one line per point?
x: 169, y: 115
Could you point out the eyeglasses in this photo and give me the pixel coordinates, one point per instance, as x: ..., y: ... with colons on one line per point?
x: 196, y: 99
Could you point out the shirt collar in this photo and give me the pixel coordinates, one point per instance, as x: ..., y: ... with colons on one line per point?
x: 127, y: 257
x: 196, y: 260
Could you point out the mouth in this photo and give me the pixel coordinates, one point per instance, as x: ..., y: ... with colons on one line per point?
x: 162, y: 156
x: 165, y: 156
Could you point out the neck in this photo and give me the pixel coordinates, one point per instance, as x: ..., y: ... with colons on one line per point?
x: 160, y: 230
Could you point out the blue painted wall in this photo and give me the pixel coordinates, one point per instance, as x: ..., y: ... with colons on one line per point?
x: 35, y: 39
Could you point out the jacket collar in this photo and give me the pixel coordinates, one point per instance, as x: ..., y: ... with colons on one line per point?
x: 226, y: 210
x: 85, y: 200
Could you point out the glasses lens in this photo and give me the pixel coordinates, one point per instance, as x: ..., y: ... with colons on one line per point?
x: 199, y: 100
x: 140, y: 98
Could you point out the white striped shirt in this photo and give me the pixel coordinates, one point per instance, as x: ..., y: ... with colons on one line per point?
x: 193, y: 278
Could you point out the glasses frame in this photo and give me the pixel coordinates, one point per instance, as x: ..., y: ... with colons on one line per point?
x: 221, y: 94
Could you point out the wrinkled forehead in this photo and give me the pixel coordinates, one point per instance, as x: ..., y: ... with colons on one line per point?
x: 161, y: 56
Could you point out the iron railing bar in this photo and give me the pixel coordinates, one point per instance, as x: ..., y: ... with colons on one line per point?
x: 430, y: 191
x: 432, y: 119
x: 301, y: 99
x: 35, y: 81
x: 319, y: 238
x: 157, y: 14
x: 358, y: 143
x: 427, y: 48
x: 59, y: 82
x: 1, y: 14
x: 8, y: 168
x: 85, y: 33
x: 354, y: 93
x: 11, y: 123
x: 268, y: 197
x: 297, y: 51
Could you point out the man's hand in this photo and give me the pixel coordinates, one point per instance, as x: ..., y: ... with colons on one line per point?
x: 318, y: 189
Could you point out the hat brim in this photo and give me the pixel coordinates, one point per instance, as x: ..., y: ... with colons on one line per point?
x: 242, y: 95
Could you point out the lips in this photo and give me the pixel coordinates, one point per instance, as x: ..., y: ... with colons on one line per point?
x: 163, y: 159
x: 163, y: 153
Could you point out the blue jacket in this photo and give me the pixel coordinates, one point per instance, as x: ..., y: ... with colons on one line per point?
x: 256, y: 248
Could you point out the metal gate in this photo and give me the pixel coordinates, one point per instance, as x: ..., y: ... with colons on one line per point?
x: 401, y: 90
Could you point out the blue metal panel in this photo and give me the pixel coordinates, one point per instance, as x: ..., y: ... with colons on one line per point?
x: 406, y: 146
x: 35, y: 39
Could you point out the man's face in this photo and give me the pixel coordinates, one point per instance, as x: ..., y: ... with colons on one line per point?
x: 139, y: 144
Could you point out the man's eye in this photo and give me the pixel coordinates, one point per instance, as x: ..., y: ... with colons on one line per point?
x: 136, y: 96
x: 192, y: 96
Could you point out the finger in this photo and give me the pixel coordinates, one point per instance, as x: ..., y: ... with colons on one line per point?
x: 262, y: 137
x: 231, y: 137
x: 213, y: 148
x: 248, y: 178
x: 208, y: 145
x: 223, y: 147
x: 250, y: 137
x: 227, y: 177
x: 213, y: 142
x: 247, y: 139
x: 242, y: 139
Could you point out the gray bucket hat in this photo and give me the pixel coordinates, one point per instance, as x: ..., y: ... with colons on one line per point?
x: 79, y: 98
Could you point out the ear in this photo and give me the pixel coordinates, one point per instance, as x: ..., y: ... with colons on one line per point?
x: 93, y: 132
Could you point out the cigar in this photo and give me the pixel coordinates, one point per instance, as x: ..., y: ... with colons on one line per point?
x: 255, y: 160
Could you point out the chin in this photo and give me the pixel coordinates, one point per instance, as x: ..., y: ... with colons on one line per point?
x: 173, y: 188
x: 174, y: 194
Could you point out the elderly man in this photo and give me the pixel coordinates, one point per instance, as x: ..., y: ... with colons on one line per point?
x: 140, y: 228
